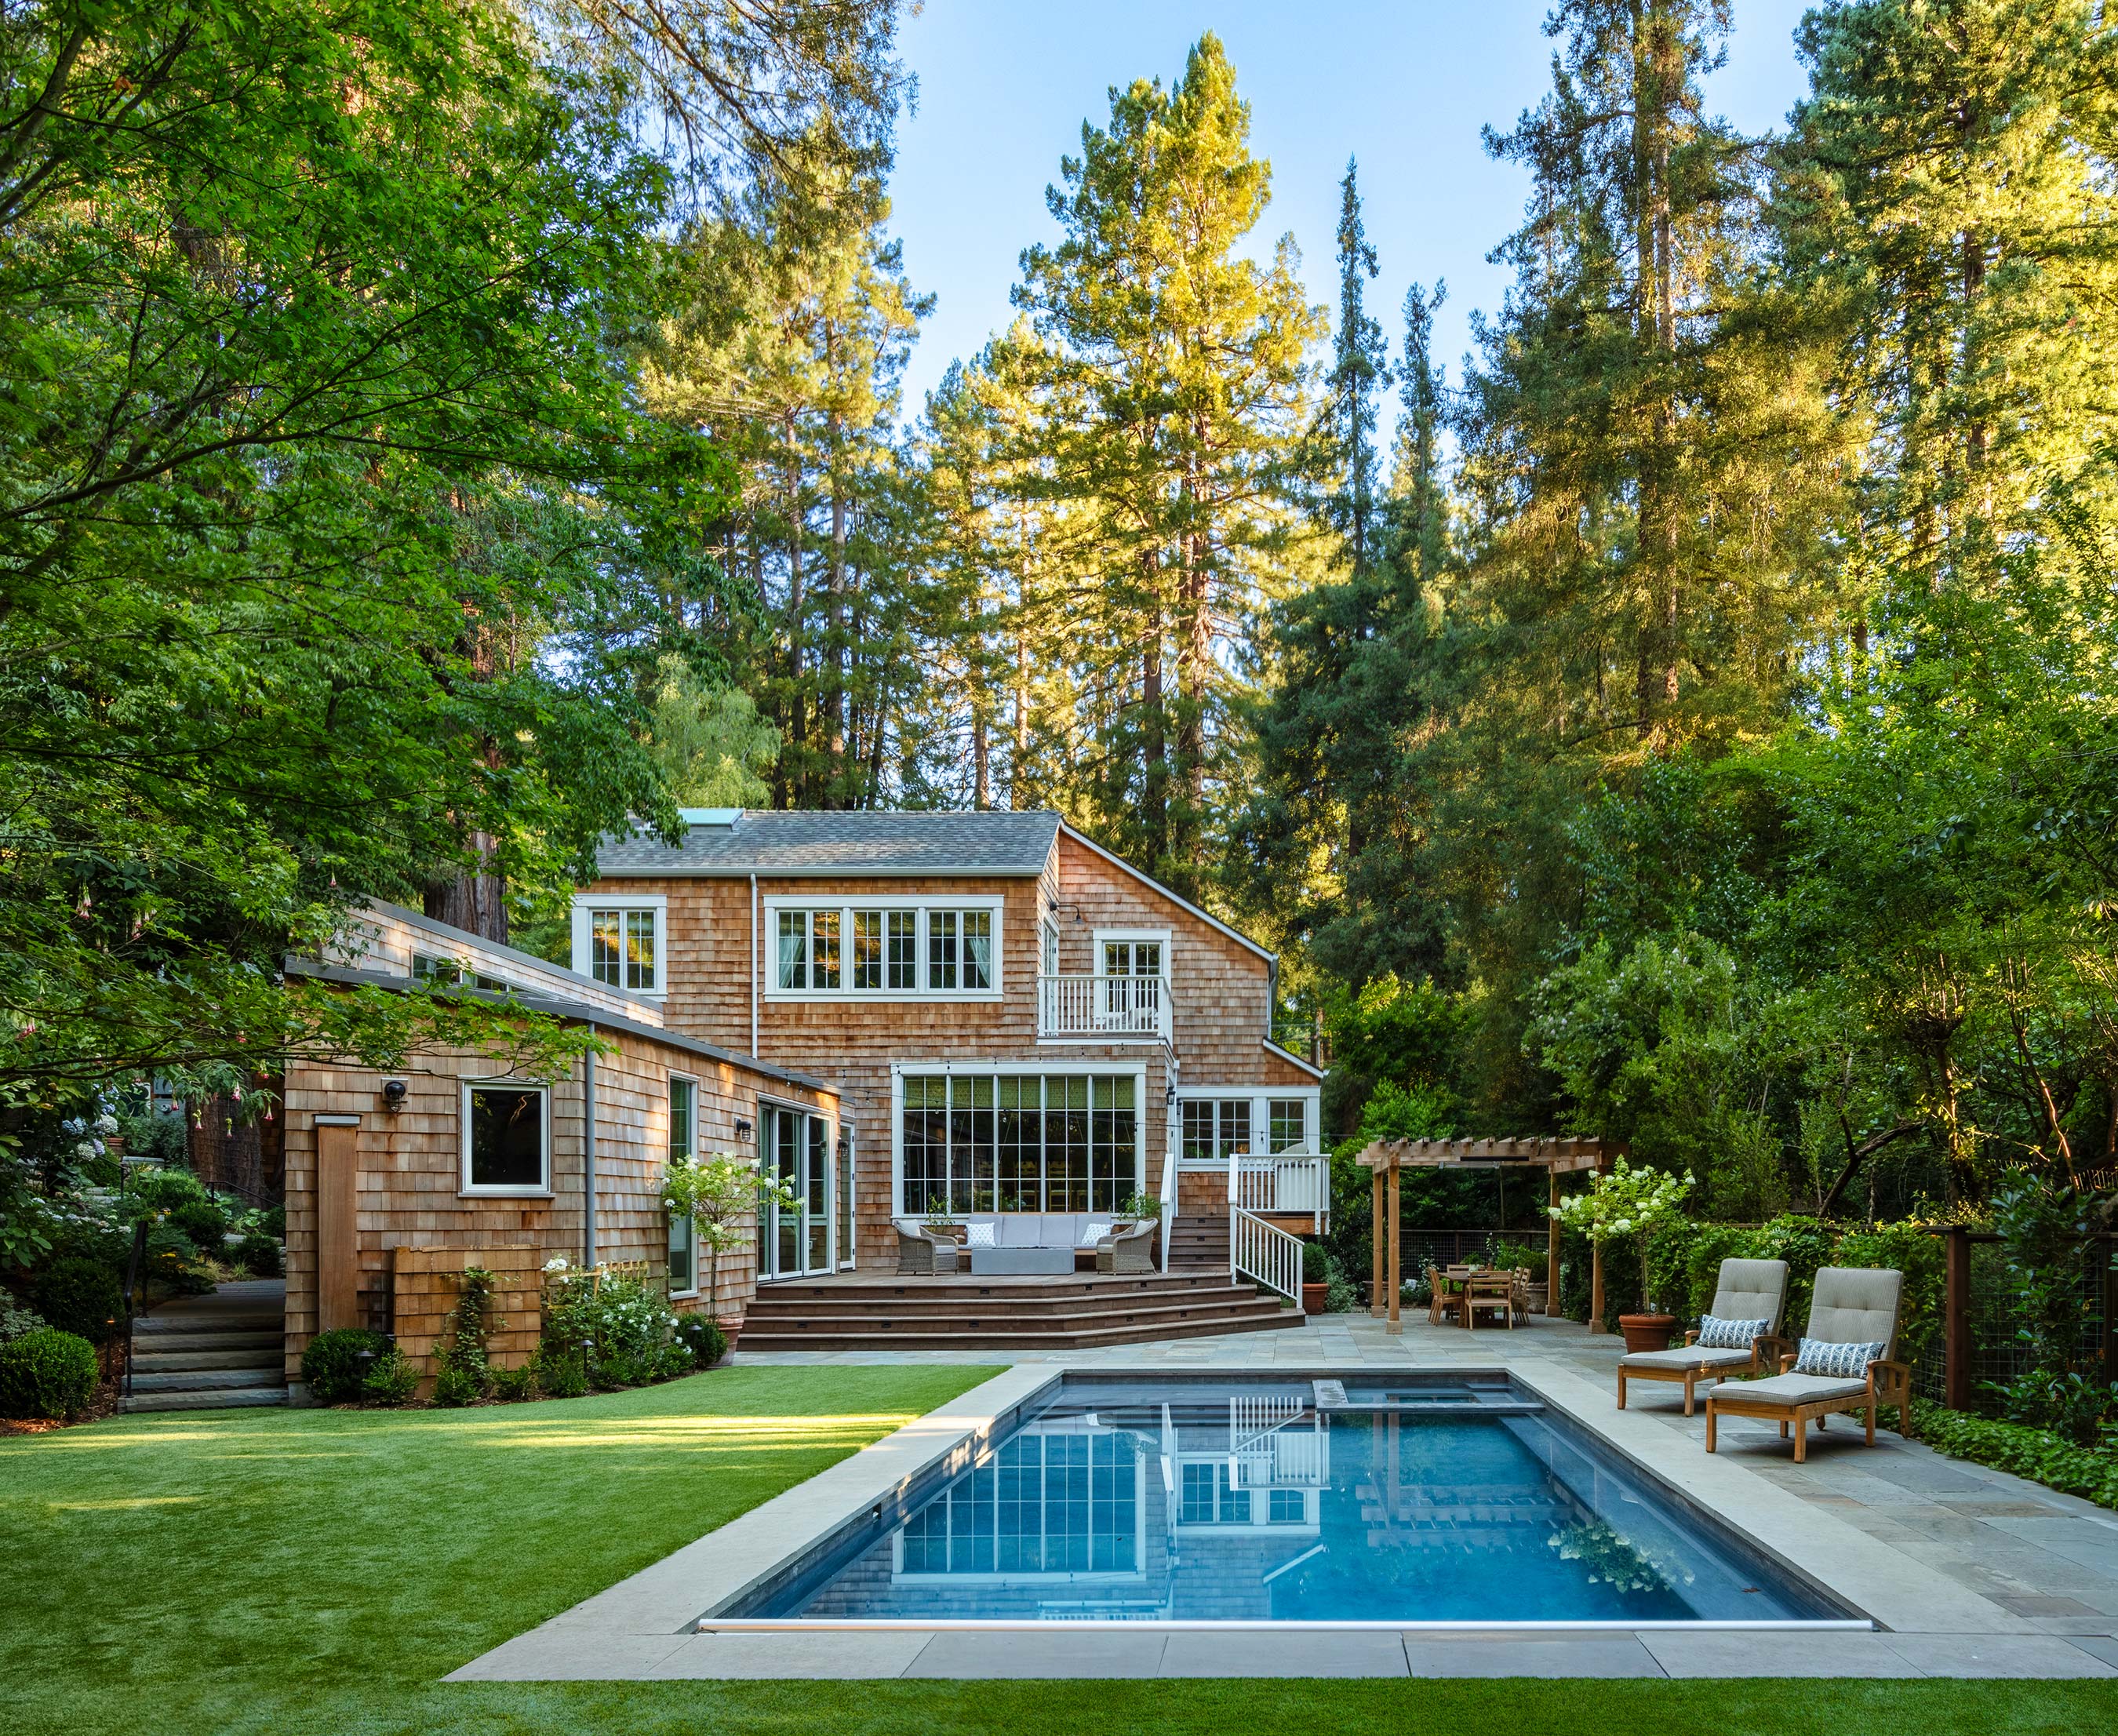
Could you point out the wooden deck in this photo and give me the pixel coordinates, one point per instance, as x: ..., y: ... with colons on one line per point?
x: 854, y: 1311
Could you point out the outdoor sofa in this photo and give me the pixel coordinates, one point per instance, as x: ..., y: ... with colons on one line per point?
x: 1747, y: 1290
x: 994, y: 1244
x: 1852, y: 1320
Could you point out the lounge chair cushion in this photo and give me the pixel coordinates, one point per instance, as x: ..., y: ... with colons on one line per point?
x: 1688, y: 1356
x: 1836, y: 1362
x: 1751, y: 1290
x: 1793, y: 1389
x: 1856, y: 1305
x: 1718, y: 1333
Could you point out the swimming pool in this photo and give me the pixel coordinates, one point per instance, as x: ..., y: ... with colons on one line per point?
x: 1228, y: 1498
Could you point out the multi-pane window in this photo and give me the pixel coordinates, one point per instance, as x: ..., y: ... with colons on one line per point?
x: 1019, y: 1142
x: 1288, y: 1123
x: 1205, y: 1496
x: 1286, y: 1508
x: 621, y: 948
x: 1215, y: 1126
x: 871, y: 950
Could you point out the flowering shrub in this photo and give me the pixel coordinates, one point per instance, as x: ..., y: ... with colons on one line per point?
x: 1626, y: 1205
x: 720, y: 1193
x: 626, y: 1326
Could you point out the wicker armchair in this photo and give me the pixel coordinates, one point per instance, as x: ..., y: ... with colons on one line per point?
x: 922, y: 1251
x: 1129, y: 1248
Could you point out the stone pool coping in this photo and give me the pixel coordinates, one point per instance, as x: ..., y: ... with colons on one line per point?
x: 650, y: 1626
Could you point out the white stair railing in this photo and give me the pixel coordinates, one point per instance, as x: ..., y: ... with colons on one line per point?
x: 1265, y: 1253
x: 1168, y: 1198
x: 1283, y: 1186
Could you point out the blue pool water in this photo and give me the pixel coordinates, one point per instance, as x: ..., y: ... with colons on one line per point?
x: 1245, y: 1501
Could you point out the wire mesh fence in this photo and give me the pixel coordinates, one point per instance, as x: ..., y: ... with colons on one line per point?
x: 1979, y: 1346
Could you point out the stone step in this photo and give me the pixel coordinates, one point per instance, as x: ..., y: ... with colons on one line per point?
x: 237, y: 1399
x: 1213, y: 1289
x: 208, y: 1380
x: 177, y: 1343
x: 159, y: 1361
x: 204, y: 1324
x: 756, y: 1340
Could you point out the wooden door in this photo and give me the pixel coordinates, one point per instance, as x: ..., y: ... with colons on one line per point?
x: 338, y: 1228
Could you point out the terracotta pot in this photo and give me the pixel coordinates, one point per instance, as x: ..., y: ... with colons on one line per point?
x: 1312, y: 1298
x: 1647, y: 1331
x: 731, y: 1326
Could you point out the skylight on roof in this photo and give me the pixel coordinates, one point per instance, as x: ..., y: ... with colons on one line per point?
x: 710, y: 815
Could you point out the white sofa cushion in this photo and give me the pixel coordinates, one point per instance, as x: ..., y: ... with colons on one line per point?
x: 1017, y: 1230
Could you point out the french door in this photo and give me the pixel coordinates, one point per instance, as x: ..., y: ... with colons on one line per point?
x: 805, y: 1239
x: 1132, y: 984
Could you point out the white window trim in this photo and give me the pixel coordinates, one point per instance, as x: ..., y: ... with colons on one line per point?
x: 690, y: 1079
x: 845, y: 907
x: 1162, y: 935
x: 465, y: 1187
x: 658, y: 902
x: 1096, y: 1070
x: 1261, y: 1098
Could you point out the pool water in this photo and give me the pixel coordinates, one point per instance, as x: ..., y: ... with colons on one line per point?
x: 1448, y: 1502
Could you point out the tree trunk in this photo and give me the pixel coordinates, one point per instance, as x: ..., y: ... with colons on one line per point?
x: 798, y: 720
x: 1155, y: 743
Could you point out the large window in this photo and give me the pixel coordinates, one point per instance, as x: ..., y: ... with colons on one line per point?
x: 619, y: 940
x: 884, y: 950
x: 1042, y: 1503
x: 506, y: 1139
x: 683, y: 1239
x: 996, y: 1142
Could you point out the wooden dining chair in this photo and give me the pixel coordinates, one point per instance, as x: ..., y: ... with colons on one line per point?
x: 1441, y: 1299
x: 1490, y: 1291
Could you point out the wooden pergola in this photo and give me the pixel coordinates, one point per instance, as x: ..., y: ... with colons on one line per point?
x: 1385, y: 1159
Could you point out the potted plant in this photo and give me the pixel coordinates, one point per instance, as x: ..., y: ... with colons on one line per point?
x: 721, y: 1194
x: 1626, y: 1204
x: 1315, y: 1277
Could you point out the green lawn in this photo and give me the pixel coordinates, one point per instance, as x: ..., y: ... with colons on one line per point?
x: 254, y: 1571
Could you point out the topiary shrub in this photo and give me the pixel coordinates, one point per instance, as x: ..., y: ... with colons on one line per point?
x: 259, y: 1255
x: 46, y: 1374
x: 392, y: 1380
x: 204, y: 1222
x: 332, y: 1366
x: 81, y: 1295
x: 707, y: 1343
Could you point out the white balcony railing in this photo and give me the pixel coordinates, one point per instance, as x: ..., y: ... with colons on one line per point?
x: 1098, y: 1007
x: 1283, y: 1186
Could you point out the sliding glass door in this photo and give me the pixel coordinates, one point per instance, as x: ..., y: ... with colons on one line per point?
x: 805, y: 1239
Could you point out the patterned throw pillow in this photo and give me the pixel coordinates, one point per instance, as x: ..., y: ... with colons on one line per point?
x: 1837, y: 1362
x: 1716, y: 1333
x: 1091, y: 1233
x: 979, y: 1235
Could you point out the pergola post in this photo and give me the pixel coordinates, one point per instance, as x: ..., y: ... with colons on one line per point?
x: 1595, y: 1286
x: 1396, y: 1288
x: 1551, y: 1250
x: 1375, y: 1304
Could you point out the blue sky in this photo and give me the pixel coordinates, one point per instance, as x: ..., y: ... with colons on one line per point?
x: 1005, y: 86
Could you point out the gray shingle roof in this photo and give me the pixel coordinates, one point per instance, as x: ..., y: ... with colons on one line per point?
x: 763, y: 840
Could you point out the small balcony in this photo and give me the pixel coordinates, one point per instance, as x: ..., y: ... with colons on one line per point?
x: 1084, y: 1008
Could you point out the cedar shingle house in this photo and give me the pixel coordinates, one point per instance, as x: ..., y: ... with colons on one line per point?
x: 1015, y: 1020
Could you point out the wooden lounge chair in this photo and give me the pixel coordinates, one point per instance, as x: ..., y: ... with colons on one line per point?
x: 1746, y: 1289
x: 1852, y: 1306
x: 1492, y: 1292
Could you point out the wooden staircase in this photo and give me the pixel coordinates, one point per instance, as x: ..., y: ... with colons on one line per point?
x: 966, y: 1314
x: 1199, y: 1242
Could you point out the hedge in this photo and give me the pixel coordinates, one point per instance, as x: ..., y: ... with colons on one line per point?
x: 2091, y: 1472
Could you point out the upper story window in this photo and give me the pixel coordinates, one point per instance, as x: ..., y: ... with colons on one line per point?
x: 620, y: 941
x: 896, y: 949
x: 1213, y: 1126
x: 426, y: 968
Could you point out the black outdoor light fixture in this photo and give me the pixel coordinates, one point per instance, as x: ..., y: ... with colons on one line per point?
x: 394, y: 1092
x: 741, y: 1127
